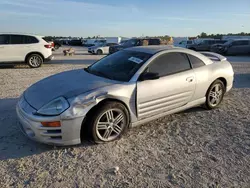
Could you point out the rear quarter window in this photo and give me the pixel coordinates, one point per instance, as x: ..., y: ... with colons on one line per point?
x: 30, y: 40
x: 195, y: 61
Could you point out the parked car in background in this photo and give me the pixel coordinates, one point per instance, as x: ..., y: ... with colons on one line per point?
x: 134, y: 42
x: 101, y: 49
x: 204, y: 45
x: 75, y: 42
x: 233, y: 47
x: 57, y: 44
x: 30, y: 49
x: 122, y: 90
x: 185, y: 43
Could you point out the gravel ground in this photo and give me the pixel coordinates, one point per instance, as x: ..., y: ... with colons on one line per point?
x: 195, y: 148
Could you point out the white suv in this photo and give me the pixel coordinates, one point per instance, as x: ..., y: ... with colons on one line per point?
x: 31, y: 49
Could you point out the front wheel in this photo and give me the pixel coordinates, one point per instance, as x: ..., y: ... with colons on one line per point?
x: 108, y: 122
x: 34, y: 60
x: 99, y: 52
x: 215, y: 94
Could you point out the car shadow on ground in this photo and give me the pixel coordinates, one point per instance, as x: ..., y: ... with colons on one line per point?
x: 13, y: 144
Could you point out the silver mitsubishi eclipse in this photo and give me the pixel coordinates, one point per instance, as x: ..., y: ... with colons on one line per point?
x: 122, y: 90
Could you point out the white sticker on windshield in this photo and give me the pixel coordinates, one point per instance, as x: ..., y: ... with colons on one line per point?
x: 135, y: 60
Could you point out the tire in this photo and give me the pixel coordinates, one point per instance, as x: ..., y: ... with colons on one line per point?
x: 99, y: 52
x: 108, y: 131
x: 215, y: 94
x: 34, y: 60
x: 57, y: 47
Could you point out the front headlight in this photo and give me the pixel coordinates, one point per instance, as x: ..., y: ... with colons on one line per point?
x: 55, y: 107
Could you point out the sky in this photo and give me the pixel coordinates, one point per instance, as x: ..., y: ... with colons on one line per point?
x: 126, y: 18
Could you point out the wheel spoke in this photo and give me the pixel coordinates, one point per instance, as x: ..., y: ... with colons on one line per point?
x: 109, y: 115
x: 107, y: 133
x: 212, y: 94
x: 216, y: 88
x: 220, y: 92
x: 213, y: 100
x: 117, y: 129
x: 118, y: 119
x: 102, y: 125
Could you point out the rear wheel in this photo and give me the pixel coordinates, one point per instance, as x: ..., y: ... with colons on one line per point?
x: 215, y: 94
x: 99, y: 52
x: 108, y: 122
x: 34, y: 60
x: 57, y: 47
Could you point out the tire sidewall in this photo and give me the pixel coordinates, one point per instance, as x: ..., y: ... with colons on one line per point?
x: 208, y: 105
x: 32, y: 55
x: 57, y: 47
x: 99, y: 112
x: 99, y: 52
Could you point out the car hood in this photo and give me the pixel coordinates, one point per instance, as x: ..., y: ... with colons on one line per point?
x: 65, y: 84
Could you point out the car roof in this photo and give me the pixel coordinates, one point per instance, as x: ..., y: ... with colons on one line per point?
x: 26, y: 34
x: 152, y: 49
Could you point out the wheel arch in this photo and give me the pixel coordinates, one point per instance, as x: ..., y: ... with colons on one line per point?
x: 39, y: 53
x: 99, y: 50
x: 84, y: 131
x: 223, y: 80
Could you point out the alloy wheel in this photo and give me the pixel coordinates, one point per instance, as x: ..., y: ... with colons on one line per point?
x: 35, y: 61
x: 215, y: 95
x: 110, y: 125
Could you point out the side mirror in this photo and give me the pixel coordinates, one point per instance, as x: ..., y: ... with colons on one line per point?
x: 149, y: 76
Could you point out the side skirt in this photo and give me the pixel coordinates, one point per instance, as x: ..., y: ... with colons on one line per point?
x: 187, y: 106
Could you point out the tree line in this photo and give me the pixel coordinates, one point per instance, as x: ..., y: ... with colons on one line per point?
x: 219, y: 36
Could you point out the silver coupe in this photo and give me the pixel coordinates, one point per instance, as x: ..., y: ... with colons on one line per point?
x: 122, y: 90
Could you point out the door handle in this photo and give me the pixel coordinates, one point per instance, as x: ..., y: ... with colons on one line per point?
x: 190, y: 79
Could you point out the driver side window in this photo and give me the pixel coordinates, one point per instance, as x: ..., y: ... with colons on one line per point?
x: 169, y: 63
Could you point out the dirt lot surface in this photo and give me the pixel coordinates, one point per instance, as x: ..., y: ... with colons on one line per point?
x: 195, y: 148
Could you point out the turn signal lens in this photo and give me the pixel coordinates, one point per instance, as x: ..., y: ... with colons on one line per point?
x: 51, y: 124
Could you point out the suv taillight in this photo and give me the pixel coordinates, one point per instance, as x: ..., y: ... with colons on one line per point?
x: 47, y: 46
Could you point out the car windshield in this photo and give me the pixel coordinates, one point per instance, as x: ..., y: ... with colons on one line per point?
x: 120, y: 66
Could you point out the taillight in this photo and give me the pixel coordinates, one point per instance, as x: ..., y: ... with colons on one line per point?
x: 53, y: 44
x: 47, y: 46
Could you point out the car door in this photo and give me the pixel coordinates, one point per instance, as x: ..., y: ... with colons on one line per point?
x: 238, y: 47
x: 173, y: 89
x: 17, y: 48
x: 5, y: 54
x: 203, y: 46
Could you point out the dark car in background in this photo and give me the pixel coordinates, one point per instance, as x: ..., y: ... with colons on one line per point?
x: 57, y: 44
x: 205, y: 45
x: 76, y: 42
x: 135, y: 42
x: 233, y: 47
